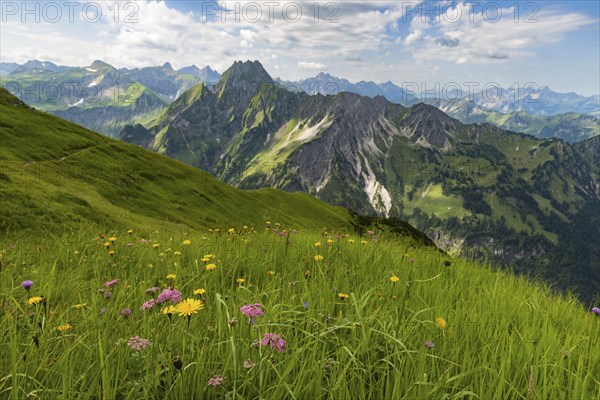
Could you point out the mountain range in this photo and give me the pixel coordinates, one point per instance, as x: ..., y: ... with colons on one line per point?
x: 100, y: 96
x: 474, y: 189
x: 103, y: 98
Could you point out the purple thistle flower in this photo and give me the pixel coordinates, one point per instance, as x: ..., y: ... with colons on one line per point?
x: 428, y: 344
x: 137, y: 343
x: 111, y: 283
x: 306, y: 305
x: 275, y: 341
x: 172, y: 295
x: 281, y: 234
x: 215, y: 381
x: 27, y: 284
x: 126, y: 313
x: 147, y: 305
x: 596, y: 310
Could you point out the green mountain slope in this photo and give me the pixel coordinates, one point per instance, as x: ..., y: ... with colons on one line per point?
x: 570, y: 127
x: 99, y: 97
x: 474, y: 189
x: 55, y: 174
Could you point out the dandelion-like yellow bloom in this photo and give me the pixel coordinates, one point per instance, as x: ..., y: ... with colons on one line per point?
x: 107, y: 244
x: 231, y: 231
x: 394, y: 279
x: 343, y: 296
x: 210, y: 267
x: 80, y: 306
x: 111, y: 252
x: 350, y: 240
x: 36, y: 300
x: 363, y: 242
x: 441, y: 323
x: 168, y: 310
x: 329, y: 241
x: 186, y: 242
x: 317, y: 244
x: 318, y: 258
x: 177, y: 253
x: 171, y: 276
x: 156, y: 246
x: 112, y: 239
x: 129, y: 231
x: 200, y: 291
x: 189, y: 307
x: 64, y: 327
x: 245, y: 226
x: 240, y: 281
x: 271, y: 273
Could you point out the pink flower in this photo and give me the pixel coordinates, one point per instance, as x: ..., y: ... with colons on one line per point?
x: 275, y: 341
x: 111, y: 283
x: 147, y: 305
x: 172, y: 295
x: 252, y: 311
x: 137, y: 343
x: 215, y: 381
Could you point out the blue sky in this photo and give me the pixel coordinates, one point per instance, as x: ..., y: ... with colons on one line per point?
x: 553, y: 43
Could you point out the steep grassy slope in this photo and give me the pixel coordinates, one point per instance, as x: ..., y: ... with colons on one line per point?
x: 58, y: 175
x: 435, y: 332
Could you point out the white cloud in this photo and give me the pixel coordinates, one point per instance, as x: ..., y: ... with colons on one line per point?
x: 473, y: 39
x: 312, y: 65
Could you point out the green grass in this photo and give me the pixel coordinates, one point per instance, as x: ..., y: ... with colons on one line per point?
x: 57, y: 175
x: 499, y: 329
x: 432, y: 200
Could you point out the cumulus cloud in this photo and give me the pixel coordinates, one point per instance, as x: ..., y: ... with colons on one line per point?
x: 469, y: 39
x: 312, y: 65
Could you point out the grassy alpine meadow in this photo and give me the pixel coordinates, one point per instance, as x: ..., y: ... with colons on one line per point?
x: 275, y: 313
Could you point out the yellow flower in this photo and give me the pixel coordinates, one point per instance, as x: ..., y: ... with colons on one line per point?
x: 210, y: 267
x: 129, y: 231
x: 394, y: 279
x: 441, y: 323
x: 36, y: 300
x: 317, y: 244
x: 107, y: 244
x: 155, y: 246
x: 177, y: 253
x: 350, y: 240
x: 231, y: 231
x: 363, y: 242
x: 171, y: 276
x: 271, y: 273
x: 186, y: 242
x: 318, y: 258
x: 343, y: 296
x: 245, y: 226
x: 168, y: 310
x: 80, y: 306
x: 112, y: 239
x: 240, y: 281
x: 329, y: 241
x: 161, y: 254
x: 188, y: 307
x: 111, y: 252
x: 200, y: 291
x: 64, y: 327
